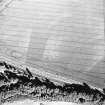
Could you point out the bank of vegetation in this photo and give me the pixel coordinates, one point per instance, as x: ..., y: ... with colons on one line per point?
x: 16, y: 83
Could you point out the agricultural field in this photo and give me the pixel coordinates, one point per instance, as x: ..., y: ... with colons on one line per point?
x: 59, y: 39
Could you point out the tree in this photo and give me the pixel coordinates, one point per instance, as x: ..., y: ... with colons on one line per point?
x: 29, y: 73
x: 86, y: 85
x: 104, y: 90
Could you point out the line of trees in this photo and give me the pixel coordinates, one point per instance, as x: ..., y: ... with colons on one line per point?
x: 14, y: 81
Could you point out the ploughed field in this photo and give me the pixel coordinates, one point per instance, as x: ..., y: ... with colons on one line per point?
x: 64, y: 38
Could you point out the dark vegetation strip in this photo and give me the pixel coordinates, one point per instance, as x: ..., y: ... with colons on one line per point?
x: 15, y: 82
